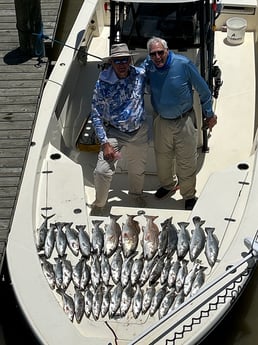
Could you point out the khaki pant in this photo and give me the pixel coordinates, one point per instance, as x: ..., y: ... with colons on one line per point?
x: 175, y: 143
x: 136, y: 146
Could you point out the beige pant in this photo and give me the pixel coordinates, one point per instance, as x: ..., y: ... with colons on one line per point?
x: 136, y: 146
x: 175, y: 143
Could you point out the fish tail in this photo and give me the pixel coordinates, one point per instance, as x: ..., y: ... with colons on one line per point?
x: 209, y: 230
x: 78, y: 227
x: 97, y: 221
x: 183, y: 224
x: 60, y: 224
x: 167, y: 222
x: 132, y: 216
x: 115, y: 217
x: 67, y: 224
x: 150, y: 217
x: 60, y: 291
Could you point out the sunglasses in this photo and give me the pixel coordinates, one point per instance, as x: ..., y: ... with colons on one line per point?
x: 121, y: 61
x: 158, y: 52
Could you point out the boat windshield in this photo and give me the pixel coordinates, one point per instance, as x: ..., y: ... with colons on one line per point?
x: 135, y: 23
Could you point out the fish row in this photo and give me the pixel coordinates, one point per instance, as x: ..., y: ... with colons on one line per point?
x: 77, y: 239
x: 133, y: 271
x: 117, y: 301
x: 168, y: 241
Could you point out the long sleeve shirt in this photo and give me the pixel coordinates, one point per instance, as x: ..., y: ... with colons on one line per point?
x: 172, y: 87
x: 118, y: 102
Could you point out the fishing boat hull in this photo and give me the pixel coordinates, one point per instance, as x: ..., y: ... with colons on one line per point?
x: 58, y: 188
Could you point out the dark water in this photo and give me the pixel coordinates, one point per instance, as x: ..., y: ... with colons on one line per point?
x: 13, y: 327
x: 240, y: 326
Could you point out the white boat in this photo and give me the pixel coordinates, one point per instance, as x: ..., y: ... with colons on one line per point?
x: 58, y: 179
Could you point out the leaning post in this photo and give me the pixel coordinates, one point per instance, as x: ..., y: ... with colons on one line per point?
x: 29, y: 23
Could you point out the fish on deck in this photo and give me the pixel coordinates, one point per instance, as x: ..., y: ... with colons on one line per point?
x: 183, y: 240
x: 97, y: 237
x: 197, y: 240
x: 150, y: 241
x: 112, y: 235
x: 211, y: 246
x: 130, y: 235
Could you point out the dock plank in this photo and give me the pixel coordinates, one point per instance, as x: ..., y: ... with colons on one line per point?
x: 7, y: 171
x: 4, y: 225
x: 14, y: 92
x: 21, y: 87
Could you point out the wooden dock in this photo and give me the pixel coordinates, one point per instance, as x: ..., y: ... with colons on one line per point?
x: 21, y: 87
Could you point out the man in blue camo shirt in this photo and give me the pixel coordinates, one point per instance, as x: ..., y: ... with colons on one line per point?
x: 119, y: 121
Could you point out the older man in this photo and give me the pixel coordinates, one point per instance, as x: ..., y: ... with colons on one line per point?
x: 172, y: 78
x: 119, y: 121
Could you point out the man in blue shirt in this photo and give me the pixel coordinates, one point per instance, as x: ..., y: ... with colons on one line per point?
x: 119, y: 121
x: 172, y: 78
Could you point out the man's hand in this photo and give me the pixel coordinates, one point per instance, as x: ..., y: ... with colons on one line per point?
x: 108, y: 151
x: 209, y: 122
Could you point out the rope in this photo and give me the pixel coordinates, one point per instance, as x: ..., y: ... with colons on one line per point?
x: 41, y: 37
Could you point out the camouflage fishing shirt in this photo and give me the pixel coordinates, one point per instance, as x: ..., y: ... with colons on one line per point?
x: 118, y: 102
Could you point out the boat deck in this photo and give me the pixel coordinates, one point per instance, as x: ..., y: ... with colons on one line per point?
x: 20, y: 90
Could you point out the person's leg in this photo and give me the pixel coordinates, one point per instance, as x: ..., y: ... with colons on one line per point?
x: 103, y: 174
x: 164, y: 153
x: 186, y: 157
x: 136, y: 156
